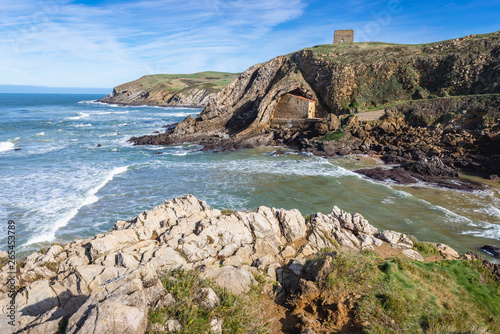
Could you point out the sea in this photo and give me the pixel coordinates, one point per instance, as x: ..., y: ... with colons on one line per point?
x: 67, y: 171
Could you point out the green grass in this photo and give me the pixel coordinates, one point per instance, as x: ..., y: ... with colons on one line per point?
x: 176, y: 82
x: 337, y: 135
x: 405, y: 296
x: 425, y: 248
x: 239, y: 314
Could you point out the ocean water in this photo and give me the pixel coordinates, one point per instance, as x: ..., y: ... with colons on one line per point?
x: 61, y: 185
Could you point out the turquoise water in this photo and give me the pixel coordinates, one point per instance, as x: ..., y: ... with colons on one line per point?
x: 61, y: 186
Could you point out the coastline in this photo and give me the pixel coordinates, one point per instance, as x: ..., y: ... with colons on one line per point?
x: 58, y: 284
x: 151, y: 105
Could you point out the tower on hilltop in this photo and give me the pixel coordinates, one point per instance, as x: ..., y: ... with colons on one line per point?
x: 343, y: 36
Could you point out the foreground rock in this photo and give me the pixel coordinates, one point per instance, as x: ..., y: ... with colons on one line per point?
x: 105, y: 284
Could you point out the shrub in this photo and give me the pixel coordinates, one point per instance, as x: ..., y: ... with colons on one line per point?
x: 425, y: 248
x: 238, y: 314
x: 349, y: 270
x: 227, y: 212
x: 337, y: 135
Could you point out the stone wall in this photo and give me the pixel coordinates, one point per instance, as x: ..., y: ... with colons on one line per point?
x: 293, y: 106
x: 343, y: 36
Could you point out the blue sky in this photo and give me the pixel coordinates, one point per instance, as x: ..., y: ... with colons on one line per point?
x: 103, y: 43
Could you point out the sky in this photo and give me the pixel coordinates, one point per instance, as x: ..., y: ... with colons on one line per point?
x: 104, y: 43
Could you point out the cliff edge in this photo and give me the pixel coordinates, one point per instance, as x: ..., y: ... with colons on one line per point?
x: 186, y: 90
x: 185, y: 267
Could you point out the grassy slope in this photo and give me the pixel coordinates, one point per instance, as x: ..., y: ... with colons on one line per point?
x: 214, y: 81
x: 398, y: 296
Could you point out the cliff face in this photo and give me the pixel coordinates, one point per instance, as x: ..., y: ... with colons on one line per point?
x: 190, y: 90
x: 342, y: 78
x: 346, y: 78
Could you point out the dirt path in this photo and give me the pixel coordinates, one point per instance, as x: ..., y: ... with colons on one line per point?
x: 370, y: 115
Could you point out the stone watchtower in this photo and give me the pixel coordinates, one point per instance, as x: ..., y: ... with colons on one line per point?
x: 343, y: 36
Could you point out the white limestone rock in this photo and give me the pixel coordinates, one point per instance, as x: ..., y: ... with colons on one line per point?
x: 236, y: 280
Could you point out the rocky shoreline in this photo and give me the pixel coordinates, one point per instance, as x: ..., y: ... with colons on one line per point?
x: 464, y: 136
x: 107, y: 283
x: 440, y: 103
x: 146, y: 104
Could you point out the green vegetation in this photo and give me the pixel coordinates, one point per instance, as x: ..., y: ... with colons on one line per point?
x: 239, y: 314
x: 212, y: 81
x: 337, y: 135
x: 425, y: 248
x: 62, y: 326
x: 388, y: 73
x: 406, y: 296
x: 227, y: 212
x: 350, y: 271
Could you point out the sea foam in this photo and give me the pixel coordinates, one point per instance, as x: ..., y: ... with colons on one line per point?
x: 89, y: 197
x: 6, y: 146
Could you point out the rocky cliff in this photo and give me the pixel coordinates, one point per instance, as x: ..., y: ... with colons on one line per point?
x: 187, y: 90
x: 425, y: 84
x: 342, y: 78
x: 129, y: 280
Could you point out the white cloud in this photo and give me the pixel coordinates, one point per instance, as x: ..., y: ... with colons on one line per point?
x: 58, y: 43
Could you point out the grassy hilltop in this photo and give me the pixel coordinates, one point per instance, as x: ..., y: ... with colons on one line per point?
x: 171, y: 89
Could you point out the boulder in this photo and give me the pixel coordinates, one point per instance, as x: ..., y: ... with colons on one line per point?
x: 391, y: 237
x: 173, y: 326
x: 207, y: 298
x: 492, y: 250
x: 412, y: 254
x: 117, y: 307
x: 236, y: 280
x: 292, y: 224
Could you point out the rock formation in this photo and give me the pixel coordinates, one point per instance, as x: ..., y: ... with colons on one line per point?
x: 105, y: 284
x: 453, y: 118
x: 184, y: 90
x: 341, y: 79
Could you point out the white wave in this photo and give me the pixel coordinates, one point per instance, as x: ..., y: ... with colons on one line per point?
x: 88, y: 198
x: 180, y: 154
x: 301, y: 167
x: 387, y: 200
x: 454, y: 217
x: 81, y: 125
x: 490, y: 210
x: 111, y: 112
x: 40, y: 134
x: 177, y: 114
x: 485, y: 230
x: 80, y: 116
x: 6, y: 146
x: 45, y: 149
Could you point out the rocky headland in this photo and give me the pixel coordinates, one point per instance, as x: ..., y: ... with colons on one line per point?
x: 439, y: 104
x: 170, y: 90
x: 185, y: 267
